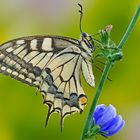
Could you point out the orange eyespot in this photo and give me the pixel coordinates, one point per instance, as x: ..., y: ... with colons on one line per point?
x: 83, y: 100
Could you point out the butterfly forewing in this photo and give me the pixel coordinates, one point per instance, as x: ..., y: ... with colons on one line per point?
x: 50, y: 63
x: 24, y: 58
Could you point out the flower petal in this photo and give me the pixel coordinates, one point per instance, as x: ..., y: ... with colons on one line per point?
x: 117, y: 126
x: 98, y: 112
x: 117, y: 121
x: 107, y: 115
x: 108, y: 124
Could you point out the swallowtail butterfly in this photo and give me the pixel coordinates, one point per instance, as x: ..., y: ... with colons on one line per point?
x: 53, y: 65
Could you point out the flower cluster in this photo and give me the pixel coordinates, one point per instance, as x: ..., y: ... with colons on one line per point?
x: 105, y: 121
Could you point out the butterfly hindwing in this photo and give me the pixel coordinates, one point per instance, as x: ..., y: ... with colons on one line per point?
x: 88, y: 72
x: 63, y: 91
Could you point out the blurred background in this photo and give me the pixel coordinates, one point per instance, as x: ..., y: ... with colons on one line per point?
x: 22, y: 113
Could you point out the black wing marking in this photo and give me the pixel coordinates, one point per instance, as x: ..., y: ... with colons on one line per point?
x: 24, y: 58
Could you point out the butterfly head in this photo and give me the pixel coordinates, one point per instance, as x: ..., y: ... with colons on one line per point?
x: 84, y: 35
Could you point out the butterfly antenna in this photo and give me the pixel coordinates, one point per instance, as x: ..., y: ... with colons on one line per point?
x: 81, y: 16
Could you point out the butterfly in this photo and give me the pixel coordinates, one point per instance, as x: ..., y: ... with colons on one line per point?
x: 52, y: 64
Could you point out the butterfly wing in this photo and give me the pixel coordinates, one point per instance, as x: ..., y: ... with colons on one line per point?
x: 63, y: 91
x: 24, y: 58
x: 88, y: 72
x: 50, y: 63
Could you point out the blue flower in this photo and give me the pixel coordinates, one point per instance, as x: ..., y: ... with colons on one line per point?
x: 106, y: 118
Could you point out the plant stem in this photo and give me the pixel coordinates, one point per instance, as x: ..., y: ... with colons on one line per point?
x: 106, y: 71
x: 130, y: 27
x: 97, y: 95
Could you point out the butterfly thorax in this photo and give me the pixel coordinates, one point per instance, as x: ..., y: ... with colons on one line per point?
x: 87, y: 45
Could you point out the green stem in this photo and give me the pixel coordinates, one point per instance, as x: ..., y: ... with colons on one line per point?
x: 106, y: 71
x: 97, y: 95
x: 130, y: 28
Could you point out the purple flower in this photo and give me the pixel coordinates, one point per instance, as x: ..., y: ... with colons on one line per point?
x: 108, y: 121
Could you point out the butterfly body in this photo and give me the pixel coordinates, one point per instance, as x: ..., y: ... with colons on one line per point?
x: 53, y: 65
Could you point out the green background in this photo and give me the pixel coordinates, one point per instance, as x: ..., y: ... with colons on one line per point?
x: 22, y: 113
